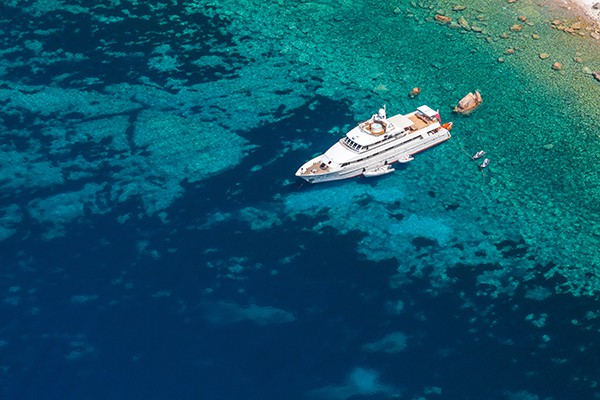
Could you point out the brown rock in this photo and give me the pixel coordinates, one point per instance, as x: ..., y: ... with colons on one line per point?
x: 596, y: 75
x: 469, y: 103
x: 414, y: 92
x: 543, y: 56
x: 578, y: 59
x: 463, y: 22
x: 576, y: 26
x: 522, y: 18
x: 516, y: 28
x: 509, y: 51
x: 511, y: 1
x: 442, y: 18
x: 557, y: 66
x: 557, y: 22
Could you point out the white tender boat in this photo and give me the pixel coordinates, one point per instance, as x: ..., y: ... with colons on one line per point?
x: 378, y: 171
x: 478, y: 155
x: 369, y: 148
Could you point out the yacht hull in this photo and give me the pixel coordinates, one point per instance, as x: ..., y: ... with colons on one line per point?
x: 356, y: 169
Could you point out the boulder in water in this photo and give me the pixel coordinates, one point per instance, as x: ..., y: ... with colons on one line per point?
x: 442, y: 18
x: 469, y: 103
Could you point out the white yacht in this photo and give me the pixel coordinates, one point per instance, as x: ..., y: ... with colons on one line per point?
x: 370, y: 148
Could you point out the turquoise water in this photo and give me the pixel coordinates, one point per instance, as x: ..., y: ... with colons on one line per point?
x: 155, y: 242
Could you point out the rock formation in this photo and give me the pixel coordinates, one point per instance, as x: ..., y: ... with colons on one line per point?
x: 469, y: 103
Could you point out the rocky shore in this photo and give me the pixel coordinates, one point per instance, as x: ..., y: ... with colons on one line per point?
x: 591, y: 8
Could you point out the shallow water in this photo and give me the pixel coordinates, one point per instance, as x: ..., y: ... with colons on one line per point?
x: 156, y: 244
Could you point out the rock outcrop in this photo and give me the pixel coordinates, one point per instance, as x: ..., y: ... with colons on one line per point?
x: 442, y: 18
x: 414, y: 92
x: 469, y: 103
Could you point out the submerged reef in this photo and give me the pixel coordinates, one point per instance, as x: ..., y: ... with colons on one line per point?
x: 152, y: 99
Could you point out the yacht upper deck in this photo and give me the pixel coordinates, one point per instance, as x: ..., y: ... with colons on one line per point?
x: 379, y: 128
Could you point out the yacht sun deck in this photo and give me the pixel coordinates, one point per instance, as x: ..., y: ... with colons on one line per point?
x: 374, y: 144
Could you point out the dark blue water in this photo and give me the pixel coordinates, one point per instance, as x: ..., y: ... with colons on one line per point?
x: 244, y: 283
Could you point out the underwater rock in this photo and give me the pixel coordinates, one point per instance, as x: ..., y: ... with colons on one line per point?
x: 557, y: 66
x: 392, y: 343
x: 576, y: 26
x: 535, y: 36
x: 459, y: 8
x: 596, y: 75
x: 509, y: 51
x: 543, y: 56
x: 504, y: 35
x: 463, y: 22
x: 442, y: 18
x: 522, y: 18
x: 516, y: 28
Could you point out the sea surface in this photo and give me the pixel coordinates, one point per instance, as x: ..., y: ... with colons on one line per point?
x: 155, y: 243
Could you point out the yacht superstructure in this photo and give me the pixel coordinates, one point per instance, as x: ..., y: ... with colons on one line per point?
x: 369, y: 148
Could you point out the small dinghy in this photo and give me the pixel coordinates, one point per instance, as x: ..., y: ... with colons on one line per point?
x: 447, y: 126
x: 384, y: 169
x: 405, y: 159
x: 477, y: 155
x: 485, y: 163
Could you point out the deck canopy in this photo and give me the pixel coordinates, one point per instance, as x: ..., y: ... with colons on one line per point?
x: 428, y: 111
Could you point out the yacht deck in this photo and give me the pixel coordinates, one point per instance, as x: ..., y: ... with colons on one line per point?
x: 318, y: 167
x: 420, y: 122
